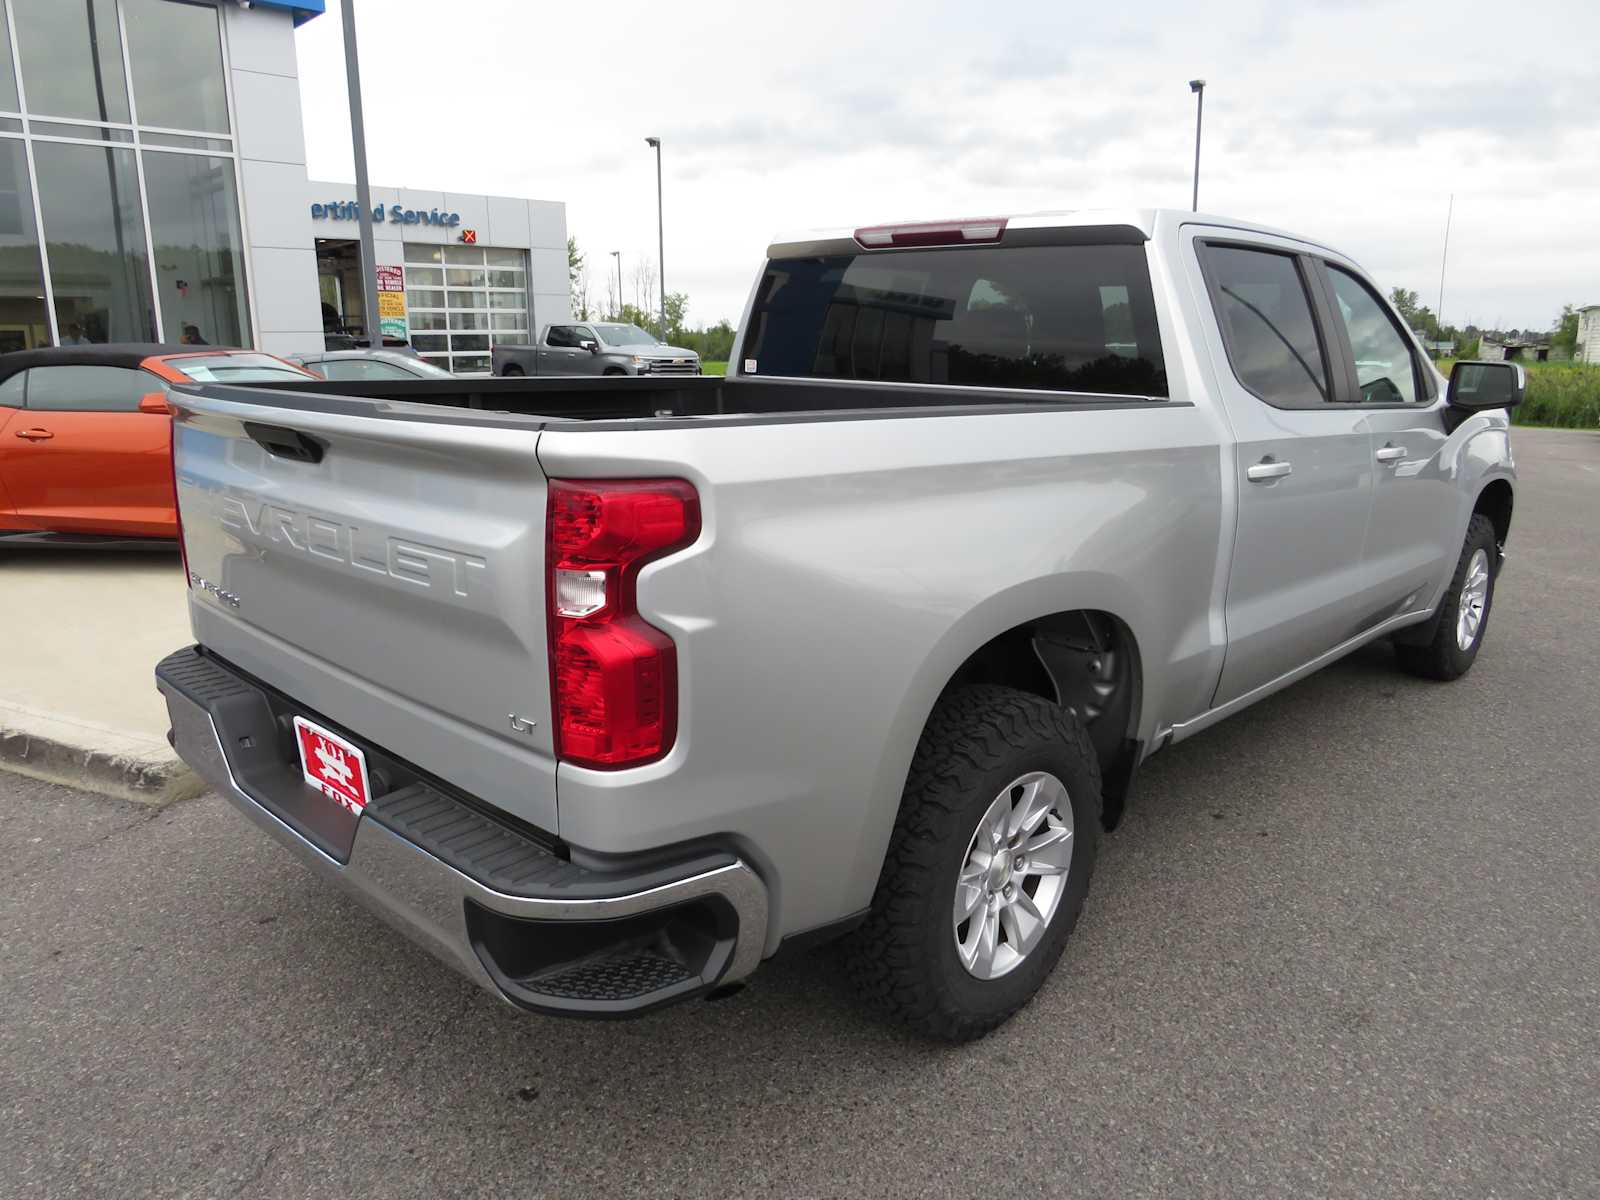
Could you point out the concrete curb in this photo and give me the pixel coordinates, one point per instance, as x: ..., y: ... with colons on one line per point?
x: 60, y: 749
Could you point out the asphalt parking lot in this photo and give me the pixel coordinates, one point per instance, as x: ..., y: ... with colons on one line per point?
x: 1344, y: 945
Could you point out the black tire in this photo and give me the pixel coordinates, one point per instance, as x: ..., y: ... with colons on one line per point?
x: 511, y: 370
x: 1442, y: 658
x: 613, y: 371
x: 904, y: 957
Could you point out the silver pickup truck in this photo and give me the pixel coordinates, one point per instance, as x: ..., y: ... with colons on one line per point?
x: 594, y: 348
x: 606, y: 692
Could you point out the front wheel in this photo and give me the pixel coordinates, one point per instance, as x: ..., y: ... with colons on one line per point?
x: 988, y: 865
x: 1464, y: 616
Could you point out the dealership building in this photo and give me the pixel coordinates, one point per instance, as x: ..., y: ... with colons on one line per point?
x: 153, y: 187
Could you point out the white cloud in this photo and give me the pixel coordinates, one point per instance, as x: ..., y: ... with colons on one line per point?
x: 1348, y: 122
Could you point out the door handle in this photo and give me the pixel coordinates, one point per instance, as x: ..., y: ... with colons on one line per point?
x: 35, y: 435
x: 1391, y: 454
x: 1267, y: 470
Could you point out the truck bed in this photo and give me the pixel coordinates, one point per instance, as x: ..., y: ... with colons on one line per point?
x: 562, y: 400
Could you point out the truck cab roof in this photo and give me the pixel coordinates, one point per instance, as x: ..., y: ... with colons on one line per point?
x: 1147, y: 222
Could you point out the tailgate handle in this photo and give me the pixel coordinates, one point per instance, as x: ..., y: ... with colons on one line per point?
x: 284, y: 443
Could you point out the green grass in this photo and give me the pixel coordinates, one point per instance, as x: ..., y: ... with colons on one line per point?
x: 714, y: 368
x: 1564, y: 394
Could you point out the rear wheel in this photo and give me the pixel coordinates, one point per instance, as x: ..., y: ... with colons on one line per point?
x: 511, y: 369
x: 1464, y: 615
x: 988, y: 865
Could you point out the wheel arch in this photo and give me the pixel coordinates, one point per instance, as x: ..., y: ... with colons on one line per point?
x: 994, y: 642
x: 1084, y: 659
x: 1495, y: 501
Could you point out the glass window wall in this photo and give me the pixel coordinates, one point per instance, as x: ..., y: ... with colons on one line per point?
x: 194, y: 224
x: 175, y: 51
x: 24, y: 319
x: 72, y: 59
x: 127, y: 230
x: 8, y: 71
x: 94, y: 242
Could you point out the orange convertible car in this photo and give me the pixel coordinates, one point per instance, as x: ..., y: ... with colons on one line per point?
x: 85, y: 454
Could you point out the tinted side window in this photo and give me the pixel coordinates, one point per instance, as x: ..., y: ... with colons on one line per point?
x: 88, y: 389
x: 1267, y: 325
x: 560, y: 335
x: 1062, y: 318
x: 11, y: 391
x: 1385, y: 370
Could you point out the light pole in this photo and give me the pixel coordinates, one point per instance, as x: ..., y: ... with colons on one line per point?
x: 358, y: 140
x: 617, y: 254
x: 661, y: 236
x: 1438, y: 313
x: 1198, y: 87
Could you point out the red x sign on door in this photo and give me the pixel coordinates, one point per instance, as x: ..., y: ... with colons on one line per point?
x: 469, y: 236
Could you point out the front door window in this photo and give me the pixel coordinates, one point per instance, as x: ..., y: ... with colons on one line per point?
x: 1385, y: 370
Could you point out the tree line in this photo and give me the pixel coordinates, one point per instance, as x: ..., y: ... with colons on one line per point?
x: 1562, y: 334
x: 641, y: 306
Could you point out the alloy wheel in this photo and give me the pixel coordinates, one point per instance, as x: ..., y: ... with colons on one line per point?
x: 1474, y: 600
x: 1014, y: 875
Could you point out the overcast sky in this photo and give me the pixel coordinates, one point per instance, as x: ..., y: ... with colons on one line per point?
x: 1349, y: 122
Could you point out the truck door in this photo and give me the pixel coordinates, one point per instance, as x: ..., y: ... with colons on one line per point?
x: 590, y: 362
x: 1413, y: 538
x: 1302, y: 462
x: 559, y: 352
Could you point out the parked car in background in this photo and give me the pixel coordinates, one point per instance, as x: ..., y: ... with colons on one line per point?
x: 85, y: 437
x: 369, y: 365
x: 594, y: 348
x: 344, y: 340
x: 605, y: 690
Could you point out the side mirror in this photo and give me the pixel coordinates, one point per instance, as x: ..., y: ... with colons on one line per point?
x: 1480, y: 386
x: 591, y: 346
x: 156, y: 403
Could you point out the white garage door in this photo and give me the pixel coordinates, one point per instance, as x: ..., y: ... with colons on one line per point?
x: 461, y: 300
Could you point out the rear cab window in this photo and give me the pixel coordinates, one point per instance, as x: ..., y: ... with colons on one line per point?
x: 1066, y: 318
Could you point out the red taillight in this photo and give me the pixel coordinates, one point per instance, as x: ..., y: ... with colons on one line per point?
x: 614, y: 677
x: 968, y: 232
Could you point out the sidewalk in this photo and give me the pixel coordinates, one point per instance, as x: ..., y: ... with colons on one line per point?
x: 78, y: 701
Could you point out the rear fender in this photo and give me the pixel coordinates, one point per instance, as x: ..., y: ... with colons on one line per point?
x: 1025, y: 602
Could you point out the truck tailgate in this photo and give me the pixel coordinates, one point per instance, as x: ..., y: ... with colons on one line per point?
x: 384, y: 566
